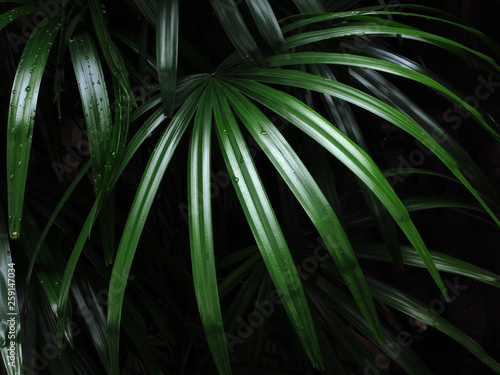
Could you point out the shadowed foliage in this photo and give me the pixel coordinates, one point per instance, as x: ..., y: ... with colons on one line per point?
x: 205, y: 187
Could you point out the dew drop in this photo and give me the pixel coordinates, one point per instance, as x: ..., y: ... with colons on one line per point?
x: 86, y: 57
x: 13, y: 91
x: 236, y: 179
x: 19, y: 164
x: 27, y: 89
x: 263, y: 132
x: 12, y: 176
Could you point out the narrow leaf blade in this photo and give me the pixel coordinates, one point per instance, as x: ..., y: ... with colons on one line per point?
x: 136, y: 220
x: 167, y: 40
x: 311, y: 198
x: 264, y: 226
x: 21, y: 118
x: 201, y: 235
x: 232, y: 21
x: 346, y: 151
x: 96, y: 108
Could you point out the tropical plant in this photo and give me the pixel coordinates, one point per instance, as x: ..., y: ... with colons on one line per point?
x: 265, y: 117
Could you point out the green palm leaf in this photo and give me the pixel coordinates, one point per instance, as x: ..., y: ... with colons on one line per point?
x: 390, y: 94
x: 309, y: 6
x: 137, y: 218
x: 22, y: 116
x: 264, y: 226
x: 201, y: 234
x: 14, y: 14
x: 444, y: 262
x: 183, y: 312
x: 308, y: 81
x: 346, y: 151
x: 167, y: 39
x: 305, y: 189
x: 109, y: 49
x: 267, y: 23
x: 232, y: 21
x: 406, y: 32
x: 343, y: 116
x: 95, y: 101
x: 371, y: 63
